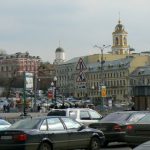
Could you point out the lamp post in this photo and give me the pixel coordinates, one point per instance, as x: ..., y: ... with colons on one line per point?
x: 102, y: 84
x: 92, y: 88
x: 53, y: 84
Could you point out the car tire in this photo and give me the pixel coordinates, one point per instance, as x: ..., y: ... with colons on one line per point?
x: 95, y: 144
x: 105, y: 144
x: 45, y: 146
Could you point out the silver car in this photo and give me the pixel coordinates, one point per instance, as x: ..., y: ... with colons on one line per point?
x: 82, y: 115
x: 4, y: 124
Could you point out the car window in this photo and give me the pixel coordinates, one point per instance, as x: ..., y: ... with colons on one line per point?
x: 94, y: 115
x: 136, y: 117
x: 54, y: 124
x: 44, y: 125
x: 73, y: 114
x: 57, y: 113
x: 145, y: 119
x: 3, y: 122
x: 29, y: 123
x: 84, y: 115
x: 71, y: 124
x: 119, y: 117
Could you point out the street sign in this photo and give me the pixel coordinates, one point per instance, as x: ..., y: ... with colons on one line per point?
x: 28, y: 80
x: 103, y: 91
x: 81, y: 77
x: 81, y: 65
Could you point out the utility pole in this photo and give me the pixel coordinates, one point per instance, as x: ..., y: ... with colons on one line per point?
x: 102, y: 84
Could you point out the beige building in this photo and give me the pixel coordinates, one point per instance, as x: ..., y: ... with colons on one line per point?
x: 115, y: 72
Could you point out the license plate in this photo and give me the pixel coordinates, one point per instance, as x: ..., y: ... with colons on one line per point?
x: 6, y: 137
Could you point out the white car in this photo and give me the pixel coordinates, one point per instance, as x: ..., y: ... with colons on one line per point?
x: 4, y: 124
x: 83, y: 115
x: 2, y: 103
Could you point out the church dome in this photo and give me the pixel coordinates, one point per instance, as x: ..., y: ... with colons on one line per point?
x: 119, y: 27
x: 59, y: 49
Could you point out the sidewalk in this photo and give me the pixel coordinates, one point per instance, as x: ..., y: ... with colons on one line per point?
x: 12, y: 117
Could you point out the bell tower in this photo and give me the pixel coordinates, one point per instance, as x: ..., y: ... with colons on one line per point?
x: 120, y: 42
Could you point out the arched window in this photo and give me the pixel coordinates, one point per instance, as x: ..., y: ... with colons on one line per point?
x: 117, y: 41
x: 125, y: 41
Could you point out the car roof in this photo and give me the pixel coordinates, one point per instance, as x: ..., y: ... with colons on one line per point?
x: 131, y: 112
x: 71, y: 109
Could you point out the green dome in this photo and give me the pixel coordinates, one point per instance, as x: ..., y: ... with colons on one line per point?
x: 59, y: 49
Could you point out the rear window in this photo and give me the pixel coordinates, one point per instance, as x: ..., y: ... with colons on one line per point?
x: 119, y: 117
x: 57, y: 113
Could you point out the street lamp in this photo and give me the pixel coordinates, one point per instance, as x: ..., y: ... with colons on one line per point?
x: 92, y: 96
x: 54, y: 85
x: 102, y: 69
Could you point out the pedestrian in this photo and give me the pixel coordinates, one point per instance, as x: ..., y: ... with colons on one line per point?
x: 38, y: 108
x: 4, y: 108
x: 7, y: 108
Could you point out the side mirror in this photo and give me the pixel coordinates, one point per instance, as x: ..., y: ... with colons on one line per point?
x: 81, y: 127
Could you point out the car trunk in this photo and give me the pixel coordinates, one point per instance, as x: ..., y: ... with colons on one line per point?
x: 12, y: 136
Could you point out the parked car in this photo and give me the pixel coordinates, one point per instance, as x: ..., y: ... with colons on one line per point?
x: 143, y: 146
x: 4, y: 124
x: 83, y: 115
x: 2, y: 103
x: 114, y: 124
x: 50, y: 133
x: 138, y: 132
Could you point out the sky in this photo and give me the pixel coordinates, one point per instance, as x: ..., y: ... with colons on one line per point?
x: 40, y: 26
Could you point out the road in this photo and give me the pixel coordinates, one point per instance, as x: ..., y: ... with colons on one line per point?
x: 117, y: 146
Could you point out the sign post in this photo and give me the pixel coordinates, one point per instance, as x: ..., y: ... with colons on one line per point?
x: 28, y: 85
x: 81, y: 78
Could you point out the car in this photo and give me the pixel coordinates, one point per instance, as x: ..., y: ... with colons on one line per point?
x: 4, y: 124
x: 83, y: 115
x: 50, y: 133
x: 114, y: 124
x: 143, y: 146
x: 139, y: 132
x: 2, y: 103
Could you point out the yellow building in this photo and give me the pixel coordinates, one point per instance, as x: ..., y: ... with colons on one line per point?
x: 115, y: 72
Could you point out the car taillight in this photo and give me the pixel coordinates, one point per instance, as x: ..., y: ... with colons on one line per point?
x: 117, y: 128
x: 20, y: 137
x: 129, y: 127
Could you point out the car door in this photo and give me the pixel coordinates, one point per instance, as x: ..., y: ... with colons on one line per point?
x: 56, y: 132
x: 77, y: 138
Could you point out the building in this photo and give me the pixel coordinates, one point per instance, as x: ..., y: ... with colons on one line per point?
x: 120, y: 40
x: 13, y: 66
x: 140, y: 87
x: 59, y: 56
x: 117, y: 67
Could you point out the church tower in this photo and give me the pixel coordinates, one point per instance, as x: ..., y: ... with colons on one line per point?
x: 59, y: 56
x: 120, y: 42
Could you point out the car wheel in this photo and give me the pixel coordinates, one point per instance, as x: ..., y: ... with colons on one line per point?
x: 45, y: 146
x: 95, y: 144
x: 105, y: 144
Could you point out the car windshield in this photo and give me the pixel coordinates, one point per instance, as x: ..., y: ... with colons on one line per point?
x: 3, y: 122
x: 119, y: 117
x: 29, y: 123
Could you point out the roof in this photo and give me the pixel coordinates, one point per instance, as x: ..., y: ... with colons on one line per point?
x: 59, y: 49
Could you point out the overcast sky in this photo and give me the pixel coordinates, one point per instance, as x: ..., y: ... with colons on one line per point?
x: 37, y: 26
